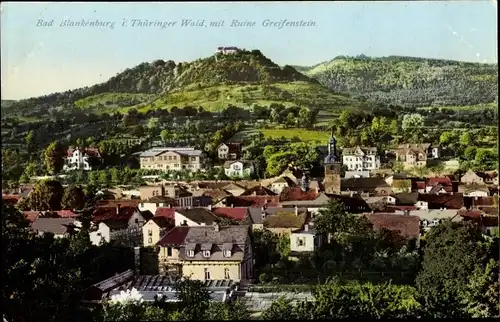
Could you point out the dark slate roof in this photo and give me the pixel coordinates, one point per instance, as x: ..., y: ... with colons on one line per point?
x: 198, y: 215
x: 110, y: 213
x: 407, y: 226
x: 454, y: 201
x: 258, y: 191
x: 365, y: 184
x: 251, y: 201
x: 405, y: 198
x: 57, y: 226
x: 163, y: 222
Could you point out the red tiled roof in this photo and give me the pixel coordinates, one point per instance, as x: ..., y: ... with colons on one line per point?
x: 252, y: 201
x: 484, y: 201
x: 216, y: 193
x: 31, y: 216
x: 11, y: 199
x: 175, y: 236
x: 444, y: 181
x: 92, y: 152
x: 407, y: 226
x: 238, y: 213
x: 165, y: 212
x: 296, y: 194
x: 470, y: 213
x: 66, y: 214
x: 417, y: 185
x: 121, y: 202
x: 109, y: 213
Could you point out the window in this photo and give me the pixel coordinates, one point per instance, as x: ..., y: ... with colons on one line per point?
x: 227, y: 253
x: 206, y: 253
x: 169, y: 251
x: 185, y: 223
x: 207, y: 274
x: 301, y: 241
x: 150, y: 240
x: 136, y: 220
x: 150, y: 232
x: 190, y: 253
x: 157, y: 205
x: 170, y: 157
x: 226, y: 273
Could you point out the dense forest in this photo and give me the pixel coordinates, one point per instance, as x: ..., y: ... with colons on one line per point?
x: 409, y: 81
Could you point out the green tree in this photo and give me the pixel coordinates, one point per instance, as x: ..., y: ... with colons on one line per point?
x: 466, y: 139
x: 281, y: 309
x: 165, y: 136
x: 73, y: 198
x: 116, y: 176
x: 283, y: 246
x: 54, y: 158
x: 104, y: 178
x: 470, y: 153
x: 194, y: 299
x: 46, y: 195
x: 279, y: 162
x: 481, y: 294
x: 412, y: 121
x: 30, y: 140
x: 153, y: 123
x: 451, y: 253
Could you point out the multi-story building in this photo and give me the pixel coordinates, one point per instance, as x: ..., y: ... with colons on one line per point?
x: 173, y: 159
x: 80, y: 158
x: 416, y: 154
x: 208, y: 252
x: 361, y: 158
x: 229, y: 151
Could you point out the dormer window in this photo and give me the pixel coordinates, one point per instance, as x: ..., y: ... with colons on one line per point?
x: 206, y: 253
x: 190, y: 253
x: 227, y: 253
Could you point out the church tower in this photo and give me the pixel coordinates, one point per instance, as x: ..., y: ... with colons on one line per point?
x: 332, y: 166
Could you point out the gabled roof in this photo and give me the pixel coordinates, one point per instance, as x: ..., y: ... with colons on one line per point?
x: 451, y: 201
x: 31, y: 216
x: 367, y: 184
x: 246, y: 164
x: 198, y: 215
x: 238, y: 213
x: 175, y: 236
x: 444, y: 181
x: 110, y: 213
x: 232, y: 186
x: 233, y: 147
x: 115, y: 281
x: 251, y: 201
x: 406, y: 198
x: 159, y: 199
x: 284, y: 179
x: 407, y: 226
x: 258, y: 191
x: 207, y: 234
x: 296, y: 194
x: 11, y: 199
x: 165, y: 212
x: 285, y: 218
x: 91, y: 152
x: 163, y: 222
x: 57, y: 226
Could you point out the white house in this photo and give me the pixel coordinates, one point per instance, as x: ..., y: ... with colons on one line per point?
x: 239, y: 168
x: 305, y: 240
x: 361, y: 158
x: 474, y: 190
x: 229, y: 151
x: 79, y: 158
x: 156, y: 202
x: 111, y: 223
x: 280, y: 184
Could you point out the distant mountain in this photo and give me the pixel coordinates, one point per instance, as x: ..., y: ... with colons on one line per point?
x: 240, y: 79
x: 408, y: 81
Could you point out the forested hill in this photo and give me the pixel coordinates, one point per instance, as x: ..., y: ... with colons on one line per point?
x: 159, y: 77
x: 409, y: 81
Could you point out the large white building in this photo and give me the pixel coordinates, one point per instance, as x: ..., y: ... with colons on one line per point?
x: 361, y: 158
x: 178, y: 159
x: 79, y: 158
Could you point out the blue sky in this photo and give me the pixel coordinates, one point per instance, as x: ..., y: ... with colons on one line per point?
x: 42, y: 60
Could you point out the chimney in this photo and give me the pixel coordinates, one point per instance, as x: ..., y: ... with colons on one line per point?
x: 306, y: 227
x: 210, y: 207
x: 254, y: 193
x: 216, y: 226
x: 118, y: 209
x: 232, y: 205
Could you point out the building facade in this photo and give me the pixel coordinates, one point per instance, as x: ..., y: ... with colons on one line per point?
x: 332, y: 164
x: 173, y: 159
x: 361, y: 159
x: 80, y: 159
